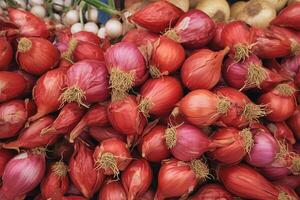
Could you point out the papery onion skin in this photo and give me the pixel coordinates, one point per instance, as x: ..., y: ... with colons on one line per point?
x: 280, y: 105
x: 291, y: 64
x: 29, y: 24
x: 232, y: 145
x: 30, y: 82
x: 205, y: 64
x: 22, y: 174
x: 264, y: 149
x: 112, y: 190
x: 125, y: 116
x: 117, y: 151
x: 6, y: 53
x: 167, y: 56
x: 288, y: 17
x: 159, y: 96
x: 269, y: 44
x: 12, y: 85
x: 194, y: 29
x: 86, y: 50
x: 103, y: 133
x: 186, y: 142
x: 47, y: 91
x: 140, y: 37
x: 68, y: 117
x: 137, y: 178
x: 88, y: 80
x: 176, y: 178
x: 56, y: 182
x: 13, y: 115
x: 157, y: 16
x: 89, y: 37
x: 216, y: 42
x: 37, y: 55
x: 153, y: 146
x: 294, y: 122
x: 200, y: 107
x: 96, y: 116
x: 125, y: 61
x: 82, y: 166
x: 212, y: 191
x: 31, y: 137
x: 275, y: 173
x: 245, y: 182
x: 281, y: 130
x: 5, y: 156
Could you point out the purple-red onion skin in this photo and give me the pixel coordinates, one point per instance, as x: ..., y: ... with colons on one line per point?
x: 212, y: 192
x: 195, y: 29
x: 263, y: 151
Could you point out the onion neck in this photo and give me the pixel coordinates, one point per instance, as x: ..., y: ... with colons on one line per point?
x: 253, y: 112
x: 107, y: 161
x: 170, y: 136
x: 223, y: 105
x: 247, y: 139
x: 172, y: 35
x: 256, y: 74
x: 68, y: 55
x: 242, y: 51
x: 285, y: 89
x: 219, y: 16
x: 120, y: 82
x: 254, y: 9
x: 73, y: 94
x: 284, y: 196
x: 60, y: 169
x: 154, y: 72
x: 24, y: 45
x: 295, y: 167
x: 200, y: 169
x: 145, y: 106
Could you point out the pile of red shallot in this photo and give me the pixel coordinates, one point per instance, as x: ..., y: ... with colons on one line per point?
x: 187, y: 104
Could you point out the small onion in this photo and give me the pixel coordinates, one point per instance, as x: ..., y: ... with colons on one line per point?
x: 153, y: 146
x: 76, y: 27
x: 81, y: 166
x: 58, y: 5
x: 177, y: 178
x: 91, y: 14
x: 159, y: 96
x: 194, y: 29
x: 112, y: 156
x: 219, y: 11
x: 124, y: 116
x: 257, y: 13
x: 91, y: 27
x: 126, y: 66
x: 86, y: 83
x: 186, y: 142
x: 36, y: 55
x: 22, y: 174
x: 112, y: 190
x: 39, y: 11
x: 281, y: 131
x: 202, y: 107
x: 71, y: 17
x: 232, y: 145
x: 113, y: 28
x: 137, y: 178
x: 280, y: 101
x: 206, y: 64
x: 30, y: 137
x: 157, y: 16
x: 264, y: 149
x: 13, y: 115
x: 101, y: 33
x: 167, y: 57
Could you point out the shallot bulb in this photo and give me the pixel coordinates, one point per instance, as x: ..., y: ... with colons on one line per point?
x: 205, y: 64
x: 112, y: 190
x: 36, y: 55
x: 294, y: 122
x: 178, y: 179
x: 212, y: 191
x: 22, y: 174
x: 86, y: 83
x: 137, y: 178
x: 112, y: 156
x: 6, y: 53
x: 186, y: 142
x: 126, y: 66
x: 194, y: 29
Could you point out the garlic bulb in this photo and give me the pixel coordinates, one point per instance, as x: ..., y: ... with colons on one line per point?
x: 182, y: 4
x: 257, y: 13
x: 218, y: 10
x: 278, y: 4
x: 236, y: 8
